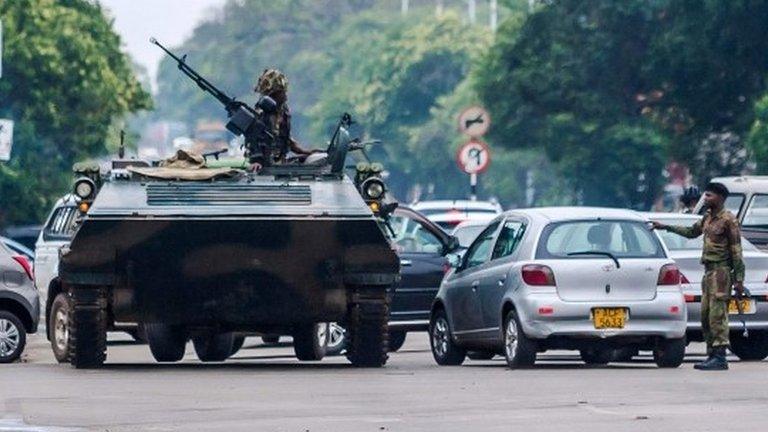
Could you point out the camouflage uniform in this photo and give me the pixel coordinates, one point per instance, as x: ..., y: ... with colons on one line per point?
x: 270, y: 81
x: 723, y: 263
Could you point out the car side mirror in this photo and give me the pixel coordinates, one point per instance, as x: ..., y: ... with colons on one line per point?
x: 455, y: 260
x: 452, y: 245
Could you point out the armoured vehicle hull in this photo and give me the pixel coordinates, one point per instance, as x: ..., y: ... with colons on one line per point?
x: 264, y: 253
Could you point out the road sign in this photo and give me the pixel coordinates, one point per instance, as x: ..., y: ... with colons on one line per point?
x: 6, y: 139
x: 473, y: 157
x: 474, y: 121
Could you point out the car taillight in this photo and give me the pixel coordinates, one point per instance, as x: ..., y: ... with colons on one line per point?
x: 684, y: 279
x: 669, y: 275
x: 538, y: 275
x: 689, y: 298
x: 24, y: 262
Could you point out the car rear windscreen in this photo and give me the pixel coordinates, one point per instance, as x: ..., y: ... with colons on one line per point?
x: 620, y: 238
x: 676, y: 242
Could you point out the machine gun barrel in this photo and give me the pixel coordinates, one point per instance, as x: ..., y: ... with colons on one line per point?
x: 230, y: 103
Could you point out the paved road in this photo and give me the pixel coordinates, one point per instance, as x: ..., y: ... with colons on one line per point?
x: 265, y: 389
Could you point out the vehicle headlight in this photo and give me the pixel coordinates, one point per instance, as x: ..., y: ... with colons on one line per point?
x: 374, y: 188
x: 84, y: 188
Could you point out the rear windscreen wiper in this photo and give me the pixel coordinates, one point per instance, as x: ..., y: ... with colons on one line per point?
x: 608, y: 254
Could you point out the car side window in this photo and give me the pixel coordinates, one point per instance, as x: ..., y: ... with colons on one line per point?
x: 412, y: 237
x: 481, y: 249
x: 509, y: 238
x: 61, y: 224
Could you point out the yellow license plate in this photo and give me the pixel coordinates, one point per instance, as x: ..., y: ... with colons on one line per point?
x: 609, y: 318
x: 747, y: 305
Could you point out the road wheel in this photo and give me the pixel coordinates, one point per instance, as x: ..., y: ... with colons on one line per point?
x: 444, y: 349
x: 669, y: 353
x: 519, y: 351
x: 367, y: 328
x: 214, y: 347
x: 596, y: 356
x: 396, y: 340
x: 13, y: 337
x: 59, y: 331
x: 271, y: 339
x: 309, y: 341
x: 754, y: 347
x: 481, y: 355
x: 87, y: 328
x: 337, y: 339
x: 237, y: 344
x: 167, y: 342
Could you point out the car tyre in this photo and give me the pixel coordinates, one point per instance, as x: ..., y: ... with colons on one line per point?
x: 59, y: 331
x: 396, y: 340
x: 752, y: 348
x: 445, y: 351
x: 237, y: 344
x: 596, y: 356
x: 669, y: 353
x: 214, y: 347
x: 309, y: 341
x: 167, y: 342
x: 13, y: 337
x: 519, y: 350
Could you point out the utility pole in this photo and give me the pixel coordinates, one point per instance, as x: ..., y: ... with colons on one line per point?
x: 404, y: 7
x: 494, y: 15
x: 472, y: 11
x: 439, y: 8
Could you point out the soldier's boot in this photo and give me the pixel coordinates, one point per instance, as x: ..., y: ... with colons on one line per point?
x: 716, y: 360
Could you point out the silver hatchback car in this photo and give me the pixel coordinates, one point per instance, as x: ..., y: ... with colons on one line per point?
x: 588, y: 279
x: 19, y: 304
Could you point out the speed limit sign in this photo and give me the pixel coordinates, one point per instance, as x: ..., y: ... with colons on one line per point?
x: 473, y: 157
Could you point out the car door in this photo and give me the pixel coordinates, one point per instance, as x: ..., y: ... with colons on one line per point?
x: 421, y: 246
x: 461, y: 288
x: 494, y: 281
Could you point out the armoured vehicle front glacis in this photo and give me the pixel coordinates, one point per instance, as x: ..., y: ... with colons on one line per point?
x: 212, y: 253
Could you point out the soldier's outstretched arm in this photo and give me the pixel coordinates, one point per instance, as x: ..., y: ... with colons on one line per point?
x: 688, y: 232
x: 737, y: 259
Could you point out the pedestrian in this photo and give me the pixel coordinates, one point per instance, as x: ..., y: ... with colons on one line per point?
x: 724, y: 267
x: 689, y: 199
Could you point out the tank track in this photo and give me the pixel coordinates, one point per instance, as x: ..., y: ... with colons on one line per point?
x: 88, y: 328
x: 367, y: 326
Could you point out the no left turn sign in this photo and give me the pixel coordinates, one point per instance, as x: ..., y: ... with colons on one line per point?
x: 473, y: 157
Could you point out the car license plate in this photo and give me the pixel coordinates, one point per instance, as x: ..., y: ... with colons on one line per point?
x: 747, y: 305
x: 609, y: 318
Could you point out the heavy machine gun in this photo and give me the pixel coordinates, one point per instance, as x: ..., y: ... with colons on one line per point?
x: 253, y: 124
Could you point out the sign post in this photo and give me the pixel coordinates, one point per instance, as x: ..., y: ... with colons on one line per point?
x: 6, y: 139
x: 474, y: 157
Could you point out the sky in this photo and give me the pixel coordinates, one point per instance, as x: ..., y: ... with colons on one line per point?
x: 170, y: 21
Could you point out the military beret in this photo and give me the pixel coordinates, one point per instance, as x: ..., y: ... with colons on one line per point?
x: 717, y: 188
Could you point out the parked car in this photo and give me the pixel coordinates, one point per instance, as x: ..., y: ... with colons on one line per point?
x: 587, y: 279
x: 448, y: 214
x: 422, y: 247
x: 19, y: 249
x: 468, y: 231
x: 748, y: 200
x: 687, y: 255
x: 24, y: 234
x: 19, y: 304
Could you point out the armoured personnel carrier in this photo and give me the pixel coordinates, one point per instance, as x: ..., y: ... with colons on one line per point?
x: 208, y: 253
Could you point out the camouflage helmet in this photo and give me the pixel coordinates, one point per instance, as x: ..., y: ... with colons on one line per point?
x: 271, y: 80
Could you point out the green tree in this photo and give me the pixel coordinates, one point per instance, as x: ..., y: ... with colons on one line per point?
x: 65, y: 83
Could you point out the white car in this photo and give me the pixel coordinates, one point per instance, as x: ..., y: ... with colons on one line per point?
x: 687, y: 255
x: 56, y: 233
x: 589, y: 279
x: 448, y: 213
x: 468, y: 231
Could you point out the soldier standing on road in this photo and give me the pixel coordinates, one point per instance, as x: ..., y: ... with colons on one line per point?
x: 724, y: 267
x: 689, y: 199
x: 274, y: 84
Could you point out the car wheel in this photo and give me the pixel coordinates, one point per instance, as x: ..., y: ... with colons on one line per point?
x: 13, y: 337
x: 752, y: 348
x: 237, y: 344
x: 519, y: 351
x: 167, y: 342
x: 138, y: 334
x: 481, y: 355
x: 337, y: 339
x: 215, y: 347
x: 596, y: 356
x: 271, y: 339
x: 309, y: 341
x: 59, y: 322
x: 396, y: 340
x: 444, y: 349
x: 669, y: 353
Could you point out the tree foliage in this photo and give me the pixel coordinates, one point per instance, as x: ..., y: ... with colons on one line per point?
x: 65, y: 81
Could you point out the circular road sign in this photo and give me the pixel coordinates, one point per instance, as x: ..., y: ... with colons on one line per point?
x: 473, y: 157
x: 474, y: 121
